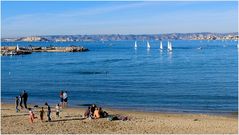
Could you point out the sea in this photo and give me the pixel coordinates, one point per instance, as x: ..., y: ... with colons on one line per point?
x: 198, y: 76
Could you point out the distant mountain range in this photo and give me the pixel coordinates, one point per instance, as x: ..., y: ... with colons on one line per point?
x: 118, y: 37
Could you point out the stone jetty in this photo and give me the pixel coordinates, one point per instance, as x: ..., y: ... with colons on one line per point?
x: 15, y: 50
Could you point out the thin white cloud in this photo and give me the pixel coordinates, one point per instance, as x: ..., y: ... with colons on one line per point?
x: 80, y: 12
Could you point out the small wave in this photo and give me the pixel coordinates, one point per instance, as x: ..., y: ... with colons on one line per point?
x: 90, y: 72
x: 115, y: 60
x: 75, y: 63
x: 183, y: 48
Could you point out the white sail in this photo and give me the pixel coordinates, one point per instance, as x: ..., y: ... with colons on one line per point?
x: 135, y: 44
x: 170, y: 46
x: 18, y: 48
x: 148, y: 45
x: 161, y: 45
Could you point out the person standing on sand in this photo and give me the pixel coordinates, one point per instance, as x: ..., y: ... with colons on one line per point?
x: 17, y: 103
x: 42, y: 113
x: 31, y: 116
x: 65, y: 99
x: 57, y: 110
x: 48, y: 112
x: 61, y: 97
x: 25, y: 97
x: 20, y: 99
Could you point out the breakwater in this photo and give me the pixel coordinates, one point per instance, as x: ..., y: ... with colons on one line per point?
x: 15, y: 50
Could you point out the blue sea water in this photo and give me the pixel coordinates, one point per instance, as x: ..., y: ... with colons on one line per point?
x: 197, y: 76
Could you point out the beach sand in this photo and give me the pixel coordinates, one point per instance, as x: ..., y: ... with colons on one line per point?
x: 141, y: 122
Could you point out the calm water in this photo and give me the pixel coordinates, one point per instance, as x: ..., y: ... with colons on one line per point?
x: 115, y: 75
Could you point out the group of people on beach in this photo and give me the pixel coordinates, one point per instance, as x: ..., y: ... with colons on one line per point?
x: 92, y: 112
x: 23, y: 97
x: 42, y: 112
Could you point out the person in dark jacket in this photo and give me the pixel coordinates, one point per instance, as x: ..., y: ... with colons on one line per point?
x: 48, y: 112
x: 25, y: 97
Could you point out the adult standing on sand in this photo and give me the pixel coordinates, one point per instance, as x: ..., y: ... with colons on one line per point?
x: 65, y: 98
x: 48, y: 112
x: 24, y: 98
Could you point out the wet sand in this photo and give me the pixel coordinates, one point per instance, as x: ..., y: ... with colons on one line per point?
x: 72, y: 122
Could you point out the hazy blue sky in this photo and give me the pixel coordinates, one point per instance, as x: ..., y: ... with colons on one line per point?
x: 53, y: 18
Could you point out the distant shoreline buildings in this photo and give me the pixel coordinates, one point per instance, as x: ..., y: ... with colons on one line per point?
x: 119, y: 37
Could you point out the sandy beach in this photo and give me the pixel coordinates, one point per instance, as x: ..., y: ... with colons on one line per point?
x: 72, y: 122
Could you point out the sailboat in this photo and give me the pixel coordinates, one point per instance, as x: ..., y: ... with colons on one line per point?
x: 161, y: 45
x: 148, y: 45
x: 135, y: 44
x: 18, y: 48
x: 170, y: 46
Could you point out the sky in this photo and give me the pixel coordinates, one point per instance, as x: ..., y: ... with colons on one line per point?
x: 19, y: 19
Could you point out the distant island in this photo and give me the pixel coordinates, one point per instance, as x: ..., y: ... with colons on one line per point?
x: 119, y: 37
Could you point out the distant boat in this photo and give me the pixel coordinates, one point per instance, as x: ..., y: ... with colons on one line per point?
x: 148, y: 45
x: 18, y: 48
x: 161, y: 45
x: 135, y: 44
x: 170, y: 46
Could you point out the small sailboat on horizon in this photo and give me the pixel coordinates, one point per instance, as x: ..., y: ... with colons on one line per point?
x: 161, y: 45
x: 170, y: 46
x: 148, y: 45
x: 135, y: 44
x: 18, y: 48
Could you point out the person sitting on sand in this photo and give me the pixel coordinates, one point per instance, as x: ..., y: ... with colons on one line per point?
x: 87, y: 113
x: 31, y: 115
x: 57, y: 110
x: 42, y: 113
x: 97, y: 113
x: 103, y: 114
x: 92, y: 108
x: 48, y: 112
x: 17, y: 103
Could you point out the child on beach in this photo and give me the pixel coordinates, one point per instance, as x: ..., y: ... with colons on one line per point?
x: 17, y: 103
x: 41, y: 113
x: 58, y: 110
x: 31, y: 116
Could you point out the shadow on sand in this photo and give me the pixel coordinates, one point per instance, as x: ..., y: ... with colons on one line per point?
x: 68, y: 119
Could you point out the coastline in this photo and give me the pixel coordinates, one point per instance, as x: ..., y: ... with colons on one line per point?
x: 140, y: 122
x: 129, y: 109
